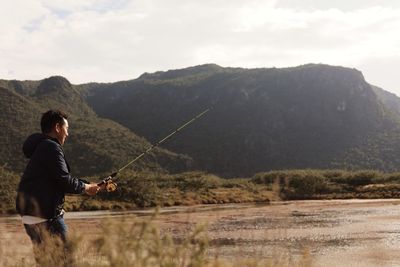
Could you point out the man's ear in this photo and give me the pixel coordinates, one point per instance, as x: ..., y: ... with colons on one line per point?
x: 58, y: 127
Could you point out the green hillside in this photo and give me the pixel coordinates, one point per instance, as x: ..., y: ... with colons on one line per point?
x: 311, y: 116
x: 95, y: 145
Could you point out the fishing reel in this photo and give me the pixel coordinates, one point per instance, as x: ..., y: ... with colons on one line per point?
x: 110, y: 185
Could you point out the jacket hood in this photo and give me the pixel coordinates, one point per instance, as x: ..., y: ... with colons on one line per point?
x: 32, y: 142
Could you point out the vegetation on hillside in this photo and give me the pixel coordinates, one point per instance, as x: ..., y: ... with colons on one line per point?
x: 311, y: 116
x: 8, y: 187
x: 19, y: 118
x: 95, y: 146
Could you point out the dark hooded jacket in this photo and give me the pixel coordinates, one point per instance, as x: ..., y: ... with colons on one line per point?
x: 46, y: 178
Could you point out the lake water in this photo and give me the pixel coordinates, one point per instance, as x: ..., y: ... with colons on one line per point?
x: 323, y: 233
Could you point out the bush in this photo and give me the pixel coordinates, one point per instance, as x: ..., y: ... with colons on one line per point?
x: 302, y: 187
x: 357, y: 178
x: 140, y: 243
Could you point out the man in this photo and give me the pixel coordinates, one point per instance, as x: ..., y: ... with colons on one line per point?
x: 46, y: 180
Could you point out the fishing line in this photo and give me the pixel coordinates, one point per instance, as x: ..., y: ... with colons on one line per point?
x: 111, y: 186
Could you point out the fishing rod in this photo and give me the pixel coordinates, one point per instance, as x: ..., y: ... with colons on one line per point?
x: 110, y: 185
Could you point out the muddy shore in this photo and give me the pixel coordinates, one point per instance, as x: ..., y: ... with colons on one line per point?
x: 325, y: 233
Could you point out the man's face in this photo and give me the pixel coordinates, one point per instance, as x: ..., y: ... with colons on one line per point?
x: 62, y: 131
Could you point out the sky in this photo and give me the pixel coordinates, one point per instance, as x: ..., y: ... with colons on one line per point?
x: 113, y: 40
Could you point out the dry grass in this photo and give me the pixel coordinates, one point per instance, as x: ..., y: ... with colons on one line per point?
x: 138, y: 242
x: 130, y: 242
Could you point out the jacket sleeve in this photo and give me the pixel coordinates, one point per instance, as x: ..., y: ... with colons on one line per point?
x: 58, y: 170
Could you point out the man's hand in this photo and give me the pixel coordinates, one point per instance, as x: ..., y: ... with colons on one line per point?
x: 91, y: 189
x: 103, y: 187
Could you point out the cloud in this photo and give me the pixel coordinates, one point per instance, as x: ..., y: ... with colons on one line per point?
x: 382, y: 70
x: 84, y: 5
x: 344, y: 5
x: 104, y: 40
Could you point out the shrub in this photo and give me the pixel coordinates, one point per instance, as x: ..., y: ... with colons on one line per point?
x: 140, y: 243
x: 305, y: 186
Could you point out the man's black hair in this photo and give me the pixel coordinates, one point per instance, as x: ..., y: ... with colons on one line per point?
x: 50, y: 119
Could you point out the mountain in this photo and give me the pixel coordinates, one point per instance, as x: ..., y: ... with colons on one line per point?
x: 390, y: 100
x: 95, y: 145
x: 311, y: 116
